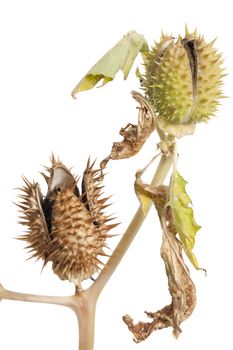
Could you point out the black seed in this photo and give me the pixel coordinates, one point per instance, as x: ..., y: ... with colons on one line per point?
x: 47, y: 206
x: 76, y: 192
x: 190, y: 47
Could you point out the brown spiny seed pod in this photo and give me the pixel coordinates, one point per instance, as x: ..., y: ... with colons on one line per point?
x: 182, y: 81
x: 65, y: 227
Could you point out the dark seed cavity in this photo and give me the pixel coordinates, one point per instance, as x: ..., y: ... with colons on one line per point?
x: 190, y: 47
x: 47, y: 207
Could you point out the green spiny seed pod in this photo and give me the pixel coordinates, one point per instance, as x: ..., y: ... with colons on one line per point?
x: 183, y: 81
x: 65, y: 227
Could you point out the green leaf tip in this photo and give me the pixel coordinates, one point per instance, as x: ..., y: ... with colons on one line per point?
x: 119, y: 57
x: 183, y: 216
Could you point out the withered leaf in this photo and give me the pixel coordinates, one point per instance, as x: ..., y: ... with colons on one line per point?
x: 119, y: 57
x: 180, y: 285
x: 134, y: 136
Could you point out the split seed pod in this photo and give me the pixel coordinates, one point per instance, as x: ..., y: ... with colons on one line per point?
x: 183, y: 81
x: 65, y: 227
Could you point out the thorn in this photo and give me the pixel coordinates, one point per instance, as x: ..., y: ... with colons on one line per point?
x: 106, y: 236
x: 24, y: 223
x: 99, y: 262
x: 88, y: 162
x: 21, y: 206
x: 91, y: 166
x: 195, y: 32
x: 110, y: 219
x: 103, y: 254
x: 99, y: 178
x: 211, y: 44
x: 46, y: 177
x: 110, y: 227
x: 44, y: 264
x: 163, y: 34
x: 48, y: 169
x: 96, y: 266
x: 98, y: 188
x: 105, y: 206
x: 104, y: 200
x: 106, y: 247
x: 110, y: 215
x: 65, y: 269
x: 96, y: 171
x: 186, y: 30
x: 26, y: 181
x: 22, y: 238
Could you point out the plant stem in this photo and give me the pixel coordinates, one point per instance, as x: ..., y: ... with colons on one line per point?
x: 84, y: 306
x: 10, y: 295
x: 84, y: 303
x: 131, y: 231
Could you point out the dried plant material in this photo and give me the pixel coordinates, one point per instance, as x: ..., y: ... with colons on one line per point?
x: 183, y: 216
x: 180, y: 285
x: 134, y: 136
x: 33, y: 216
x: 141, y: 189
x: 120, y: 57
x: 66, y: 227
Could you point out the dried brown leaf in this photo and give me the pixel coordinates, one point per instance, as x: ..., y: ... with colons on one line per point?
x: 180, y: 285
x: 134, y: 136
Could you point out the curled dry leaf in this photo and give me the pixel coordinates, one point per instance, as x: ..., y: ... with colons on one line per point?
x: 134, y: 136
x: 180, y: 285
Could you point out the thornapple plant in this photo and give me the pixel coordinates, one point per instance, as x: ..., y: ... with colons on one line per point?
x: 69, y: 226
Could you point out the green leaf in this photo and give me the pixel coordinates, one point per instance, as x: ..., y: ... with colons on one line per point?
x: 183, y: 216
x: 120, y: 57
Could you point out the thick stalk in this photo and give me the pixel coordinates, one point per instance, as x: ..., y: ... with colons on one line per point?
x: 84, y: 305
x: 130, y: 233
x: 86, y: 330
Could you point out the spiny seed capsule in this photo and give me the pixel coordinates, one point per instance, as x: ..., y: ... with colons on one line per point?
x: 65, y: 227
x: 183, y: 80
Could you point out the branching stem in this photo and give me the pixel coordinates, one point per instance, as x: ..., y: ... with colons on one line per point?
x: 10, y: 295
x: 83, y: 303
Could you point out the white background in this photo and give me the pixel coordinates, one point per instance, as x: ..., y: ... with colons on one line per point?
x: 46, y: 47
